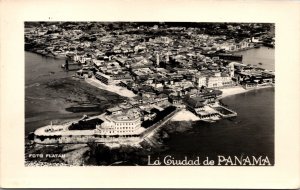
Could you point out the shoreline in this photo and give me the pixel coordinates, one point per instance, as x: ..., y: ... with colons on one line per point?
x: 49, y: 55
x: 129, y: 94
x: 186, y: 115
x: 249, y: 48
x: 239, y: 90
x: 124, y: 92
x: 226, y: 92
x: 183, y: 115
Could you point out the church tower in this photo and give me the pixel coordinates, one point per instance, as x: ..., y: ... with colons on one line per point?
x: 157, y: 59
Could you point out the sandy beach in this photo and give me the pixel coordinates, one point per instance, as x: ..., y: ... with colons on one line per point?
x: 185, y: 115
x: 239, y: 90
x: 112, y: 88
x: 233, y: 91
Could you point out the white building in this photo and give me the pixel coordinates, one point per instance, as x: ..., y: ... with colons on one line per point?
x: 219, y: 82
x: 216, y: 81
x: 128, y: 123
x: 81, y: 59
x: 200, y: 81
x: 231, y: 69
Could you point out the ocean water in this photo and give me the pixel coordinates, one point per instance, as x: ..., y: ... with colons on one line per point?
x: 40, y: 69
x: 251, y: 133
x: 52, y: 95
x: 264, y: 55
x: 48, y: 90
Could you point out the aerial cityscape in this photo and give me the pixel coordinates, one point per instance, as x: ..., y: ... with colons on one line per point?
x: 128, y: 93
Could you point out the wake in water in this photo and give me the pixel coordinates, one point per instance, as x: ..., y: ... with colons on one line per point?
x: 33, y: 85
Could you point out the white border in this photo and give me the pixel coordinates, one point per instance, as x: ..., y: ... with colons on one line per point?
x: 285, y: 14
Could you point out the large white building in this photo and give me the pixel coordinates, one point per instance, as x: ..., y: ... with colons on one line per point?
x: 128, y: 123
x: 216, y: 81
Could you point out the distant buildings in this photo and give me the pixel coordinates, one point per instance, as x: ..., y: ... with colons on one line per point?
x: 167, y: 68
x: 161, y: 65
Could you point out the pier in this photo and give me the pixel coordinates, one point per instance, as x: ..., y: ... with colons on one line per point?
x: 225, y: 112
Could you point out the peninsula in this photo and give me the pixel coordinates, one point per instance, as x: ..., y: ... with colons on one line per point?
x: 165, y: 71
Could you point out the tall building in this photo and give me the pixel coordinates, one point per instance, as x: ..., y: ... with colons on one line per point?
x: 231, y: 69
x: 199, y: 80
x: 168, y: 56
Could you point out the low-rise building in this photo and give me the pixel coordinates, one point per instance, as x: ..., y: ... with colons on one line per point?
x: 128, y: 123
x: 104, y: 78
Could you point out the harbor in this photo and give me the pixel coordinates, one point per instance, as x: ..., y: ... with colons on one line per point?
x: 262, y: 57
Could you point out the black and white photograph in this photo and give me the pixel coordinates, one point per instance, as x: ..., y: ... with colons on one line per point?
x: 149, y: 94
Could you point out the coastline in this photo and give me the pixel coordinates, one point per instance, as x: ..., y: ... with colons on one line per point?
x: 186, y: 115
x: 112, y: 88
x: 52, y: 94
x: 249, y: 48
x: 48, y: 54
x: 183, y: 115
x: 263, y: 57
x: 129, y: 94
x: 239, y: 90
x: 233, y: 91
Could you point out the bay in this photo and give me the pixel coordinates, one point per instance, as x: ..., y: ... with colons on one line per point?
x: 263, y: 55
x: 51, y: 92
x: 251, y: 133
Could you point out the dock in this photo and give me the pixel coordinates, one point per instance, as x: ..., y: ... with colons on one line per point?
x: 225, y: 112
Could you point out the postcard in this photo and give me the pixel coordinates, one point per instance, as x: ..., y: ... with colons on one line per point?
x: 208, y: 97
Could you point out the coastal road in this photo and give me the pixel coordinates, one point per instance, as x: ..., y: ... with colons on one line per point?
x: 153, y: 129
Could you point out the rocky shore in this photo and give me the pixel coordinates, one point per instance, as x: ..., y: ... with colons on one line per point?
x: 53, y: 95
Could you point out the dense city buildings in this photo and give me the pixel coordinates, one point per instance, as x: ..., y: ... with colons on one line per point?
x: 160, y: 67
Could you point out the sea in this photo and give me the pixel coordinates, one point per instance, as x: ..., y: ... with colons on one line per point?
x: 52, y: 95
x: 262, y: 57
x: 251, y: 133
